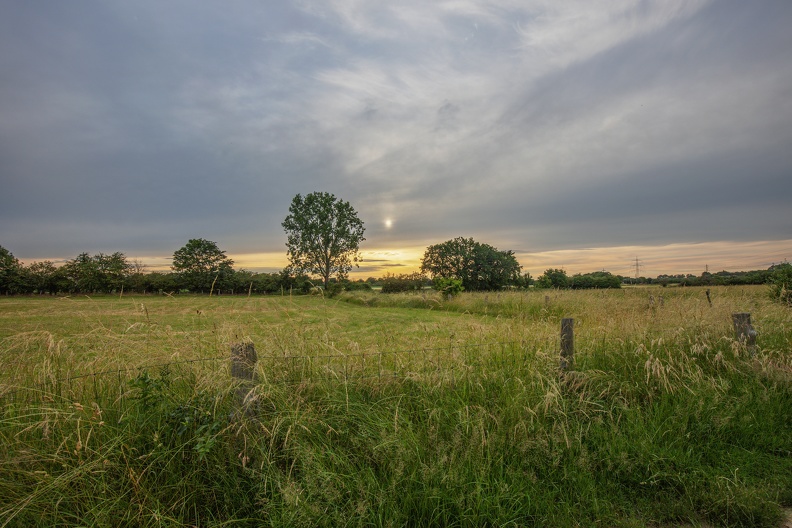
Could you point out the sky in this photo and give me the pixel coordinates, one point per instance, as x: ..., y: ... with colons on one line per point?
x: 650, y: 136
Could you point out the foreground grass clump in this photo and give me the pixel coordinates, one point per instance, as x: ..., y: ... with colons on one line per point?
x: 665, y: 421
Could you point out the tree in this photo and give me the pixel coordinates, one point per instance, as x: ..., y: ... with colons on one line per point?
x: 41, y: 277
x: 201, y: 264
x: 10, y: 269
x: 595, y: 280
x: 98, y: 273
x: 323, y: 235
x: 479, y: 266
x: 83, y: 274
x: 114, y: 269
x: 553, y: 278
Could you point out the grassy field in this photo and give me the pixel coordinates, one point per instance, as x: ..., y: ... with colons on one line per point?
x: 396, y: 410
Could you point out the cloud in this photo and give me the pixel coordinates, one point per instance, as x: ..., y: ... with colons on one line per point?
x: 534, y: 124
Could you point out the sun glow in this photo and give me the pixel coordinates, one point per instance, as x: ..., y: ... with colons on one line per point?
x: 388, y: 223
x: 620, y: 260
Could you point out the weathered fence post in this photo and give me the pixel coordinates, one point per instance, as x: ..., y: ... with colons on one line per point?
x: 243, y: 365
x: 743, y: 331
x: 567, y: 343
x: 708, y: 298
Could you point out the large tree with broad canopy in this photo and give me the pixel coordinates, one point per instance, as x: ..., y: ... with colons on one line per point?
x: 323, y: 235
x: 479, y: 266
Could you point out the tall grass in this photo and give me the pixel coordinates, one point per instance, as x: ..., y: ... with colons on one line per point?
x: 666, y: 419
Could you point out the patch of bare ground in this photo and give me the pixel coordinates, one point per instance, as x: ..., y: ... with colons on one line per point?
x: 788, y: 521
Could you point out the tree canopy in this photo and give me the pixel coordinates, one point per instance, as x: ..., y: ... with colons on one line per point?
x: 97, y: 273
x: 323, y: 235
x: 596, y: 280
x: 9, y: 270
x: 200, y: 263
x: 553, y: 278
x: 479, y: 266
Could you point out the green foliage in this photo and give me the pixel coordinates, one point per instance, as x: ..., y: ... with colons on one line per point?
x: 333, y: 289
x: 448, y: 287
x: 10, y: 269
x: 720, y: 278
x: 290, y: 282
x: 41, y: 277
x: 193, y: 424
x: 358, y: 285
x: 201, y: 264
x: 525, y: 281
x: 597, y: 280
x: 99, y: 273
x: 553, y: 278
x: 323, y: 235
x: 403, y: 282
x: 781, y: 283
x: 150, y: 391
x: 479, y: 266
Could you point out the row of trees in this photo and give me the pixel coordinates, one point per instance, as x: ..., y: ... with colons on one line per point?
x: 558, y: 278
x: 323, y: 239
x: 199, y: 266
x: 720, y: 278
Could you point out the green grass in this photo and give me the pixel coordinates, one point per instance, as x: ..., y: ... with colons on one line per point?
x: 385, y: 411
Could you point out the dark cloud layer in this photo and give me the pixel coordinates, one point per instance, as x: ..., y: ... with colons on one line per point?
x: 133, y: 126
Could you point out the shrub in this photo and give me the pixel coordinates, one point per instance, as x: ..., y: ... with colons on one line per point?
x: 403, y: 282
x: 333, y: 289
x: 448, y: 287
x: 357, y: 286
x: 596, y: 280
x: 553, y: 278
x: 781, y: 283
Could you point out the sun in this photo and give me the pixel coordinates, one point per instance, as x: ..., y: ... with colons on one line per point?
x: 388, y: 223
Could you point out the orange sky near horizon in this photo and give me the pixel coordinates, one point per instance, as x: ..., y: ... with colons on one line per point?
x: 652, y: 260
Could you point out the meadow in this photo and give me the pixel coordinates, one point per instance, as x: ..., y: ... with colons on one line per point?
x: 396, y: 410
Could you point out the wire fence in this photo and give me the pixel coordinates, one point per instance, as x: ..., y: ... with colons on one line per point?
x: 450, y: 362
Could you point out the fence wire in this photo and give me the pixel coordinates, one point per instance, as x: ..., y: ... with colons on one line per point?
x: 450, y: 362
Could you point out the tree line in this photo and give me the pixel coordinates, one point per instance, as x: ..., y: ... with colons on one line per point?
x: 323, y: 239
x: 201, y: 267
x: 101, y: 273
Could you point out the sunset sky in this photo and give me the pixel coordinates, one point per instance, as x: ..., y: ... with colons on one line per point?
x: 582, y: 135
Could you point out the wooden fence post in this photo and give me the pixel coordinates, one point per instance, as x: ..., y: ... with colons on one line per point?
x: 243, y: 365
x: 567, y: 343
x: 743, y: 331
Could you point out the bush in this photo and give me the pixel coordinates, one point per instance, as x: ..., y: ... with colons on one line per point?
x: 357, y: 286
x: 448, y: 287
x: 596, y: 280
x: 403, y: 282
x: 553, y: 278
x: 781, y: 283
